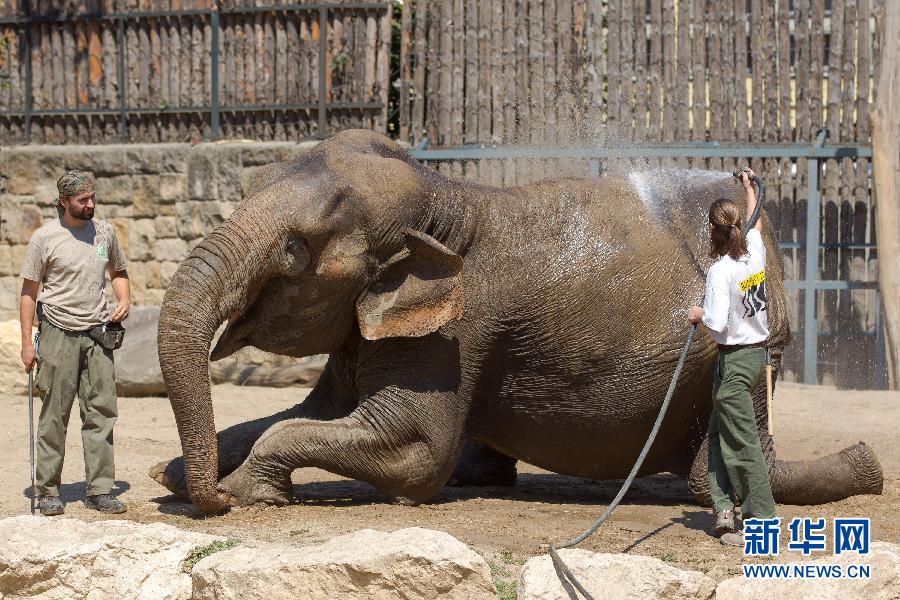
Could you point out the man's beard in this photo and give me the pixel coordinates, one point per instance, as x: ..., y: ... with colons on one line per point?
x: 85, y: 214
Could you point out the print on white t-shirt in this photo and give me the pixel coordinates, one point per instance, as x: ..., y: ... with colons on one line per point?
x: 734, y: 309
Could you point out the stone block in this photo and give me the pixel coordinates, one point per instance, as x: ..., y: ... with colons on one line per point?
x: 166, y: 273
x: 10, y: 288
x: 197, y: 219
x: 172, y: 187
x: 6, y: 260
x: 172, y: 249
x: 67, y: 558
x: 153, y: 275
x: 143, y: 158
x: 137, y: 278
x: 249, y: 178
x: 145, y: 195
x: 141, y: 239
x: 622, y: 576
x: 166, y: 227
x: 46, y: 195
x: 229, y: 176
x: 202, y: 173
x: 121, y: 227
x: 19, y: 220
x: 173, y: 158
x: 109, y: 161
x: 114, y: 211
x: 21, y: 169
x: 153, y: 297
x: 409, y: 563
x: 18, y: 258
x: 884, y: 583
x: 115, y: 190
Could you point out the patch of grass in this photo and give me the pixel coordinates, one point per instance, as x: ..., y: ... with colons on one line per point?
x: 668, y: 557
x: 201, y: 552
x: 507, y: 557
x: 497, y: 570
x: 506, y: 590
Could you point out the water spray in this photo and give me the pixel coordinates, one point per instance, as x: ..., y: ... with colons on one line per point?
x: 566, y: 577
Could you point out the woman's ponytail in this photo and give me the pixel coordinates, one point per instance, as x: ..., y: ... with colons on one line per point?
x: 727, y: 236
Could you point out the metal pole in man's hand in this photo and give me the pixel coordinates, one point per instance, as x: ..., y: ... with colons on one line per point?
x: 31, y: 434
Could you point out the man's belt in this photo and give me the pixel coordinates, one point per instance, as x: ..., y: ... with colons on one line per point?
x: 729, y: 347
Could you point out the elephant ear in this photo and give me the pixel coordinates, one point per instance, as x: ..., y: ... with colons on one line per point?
x: 416, y: 291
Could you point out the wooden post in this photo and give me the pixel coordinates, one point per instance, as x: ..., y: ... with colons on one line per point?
x: 885, y: 118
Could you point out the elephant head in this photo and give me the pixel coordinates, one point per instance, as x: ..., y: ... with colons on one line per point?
x: 332, y: 245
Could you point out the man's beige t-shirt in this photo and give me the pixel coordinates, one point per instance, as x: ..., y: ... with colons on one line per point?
x: 71, y: 262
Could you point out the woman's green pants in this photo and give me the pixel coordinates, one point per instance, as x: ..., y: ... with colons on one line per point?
x: 737, y: 468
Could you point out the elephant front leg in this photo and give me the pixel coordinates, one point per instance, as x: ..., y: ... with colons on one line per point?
x: 330, y: 399
x: 397, y: 447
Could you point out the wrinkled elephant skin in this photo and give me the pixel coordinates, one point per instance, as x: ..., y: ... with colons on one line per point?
x: 538, y: 323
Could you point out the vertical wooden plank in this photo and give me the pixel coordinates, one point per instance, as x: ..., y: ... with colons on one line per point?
x: 417, y: 119
x: 405, y: 115
x: 862, y: 230
x: 487, y: 63
x: 669, y: 90
x: 741, y: 121
x: 535, y: 92
x: 655, y: 72
x: 383, y: 71
x: 510, y: 69
x: 641, y: 62
x: 563, y: 99
x: 698, y: 71
x: 614, y: 78
x: 682, y: 130
x: 492, y: 79
x: 625, y: 110
x: 444, y: 92
x: 469, y: 103
x: 523, y: 53
x: 435, y: 85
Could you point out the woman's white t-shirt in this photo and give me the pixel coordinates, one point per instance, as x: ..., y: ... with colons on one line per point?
x: 734, y: 309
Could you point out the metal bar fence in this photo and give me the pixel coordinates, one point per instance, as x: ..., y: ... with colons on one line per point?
x: 814, y: 153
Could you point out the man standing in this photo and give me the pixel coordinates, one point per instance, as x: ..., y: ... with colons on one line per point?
x: 70, y: 257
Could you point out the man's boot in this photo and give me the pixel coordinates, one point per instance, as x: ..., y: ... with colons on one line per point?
x: 51, y: 506
x: 104, y: 503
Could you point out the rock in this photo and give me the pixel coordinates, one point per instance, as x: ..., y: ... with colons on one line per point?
x: 409, y: 563
x: 138, y: 372
x: 620, y: 576
x: 137, y: 361
x: 883, y: 584
x: 13, y: 379
x: 67, y: 558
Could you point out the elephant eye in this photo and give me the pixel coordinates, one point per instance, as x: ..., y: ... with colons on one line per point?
x: 297, y: 254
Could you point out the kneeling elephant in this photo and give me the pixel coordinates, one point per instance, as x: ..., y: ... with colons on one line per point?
x: 538, y: 323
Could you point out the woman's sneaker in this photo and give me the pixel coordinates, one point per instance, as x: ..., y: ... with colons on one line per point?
x: 50, y: 506
x: 726, y: 522
x: 104, y: 503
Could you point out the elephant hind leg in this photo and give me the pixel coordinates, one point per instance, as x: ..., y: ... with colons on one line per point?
x: 481, y: 465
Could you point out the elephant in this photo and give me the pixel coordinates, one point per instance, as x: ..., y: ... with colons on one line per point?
x: 468, y: 327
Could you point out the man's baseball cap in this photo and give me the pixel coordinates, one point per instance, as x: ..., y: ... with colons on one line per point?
x: 75, y: 183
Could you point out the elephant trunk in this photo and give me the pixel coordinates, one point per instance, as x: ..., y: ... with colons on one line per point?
x: 209, y: 285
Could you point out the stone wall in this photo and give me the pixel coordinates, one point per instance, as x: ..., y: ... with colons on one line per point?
x: 161, y: 198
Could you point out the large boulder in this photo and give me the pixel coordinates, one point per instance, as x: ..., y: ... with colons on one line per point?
x: 620, y: 576
x: 138, y: 372
x: 13, y: 379
x: 50, y: 559
x: 409, y: 563
x: 883, y: 583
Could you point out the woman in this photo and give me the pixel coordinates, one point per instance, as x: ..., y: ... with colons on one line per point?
x: 734, y: 311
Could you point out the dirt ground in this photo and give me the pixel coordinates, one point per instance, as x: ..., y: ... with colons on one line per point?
x: 507, y: 525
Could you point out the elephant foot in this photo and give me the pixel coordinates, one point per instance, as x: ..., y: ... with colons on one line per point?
x: 170, y: 474
x: 244, y: 487
x: 481, y: 465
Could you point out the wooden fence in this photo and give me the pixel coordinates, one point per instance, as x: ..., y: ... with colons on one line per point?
x: 182, y: 70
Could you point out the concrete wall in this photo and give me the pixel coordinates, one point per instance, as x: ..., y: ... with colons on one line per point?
x: 161, y: 198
